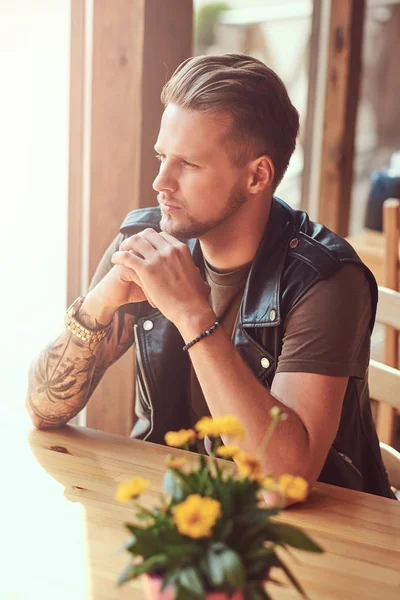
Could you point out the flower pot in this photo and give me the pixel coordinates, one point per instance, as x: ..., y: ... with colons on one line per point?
x: 153, y: 583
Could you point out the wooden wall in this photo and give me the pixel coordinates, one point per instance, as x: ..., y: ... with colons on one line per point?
x: 343, y: 75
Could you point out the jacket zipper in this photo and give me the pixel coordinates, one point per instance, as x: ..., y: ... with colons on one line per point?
x: 146, y: 385
x: 349, y: 462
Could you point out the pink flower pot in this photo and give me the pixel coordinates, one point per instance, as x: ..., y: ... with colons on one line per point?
x: 153, y: 587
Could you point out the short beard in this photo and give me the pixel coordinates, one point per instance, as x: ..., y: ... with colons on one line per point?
x: 197, y: 229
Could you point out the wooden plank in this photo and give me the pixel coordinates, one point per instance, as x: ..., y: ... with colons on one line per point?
x: 391, y: 229
x: 136, y: 47
x: 388, y: 310
x: 384, y: 384
x: 370, y: 247
x: 118, y: 29
x: 116, y: 113
x: 167, y: 42
x: 76, y: 120
x: 341, y: 101
x: 386, y: 417
x: 313, y: 130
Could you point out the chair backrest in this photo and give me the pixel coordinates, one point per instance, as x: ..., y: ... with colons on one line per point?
x: 391, y: 230
x: 391, y: 460
x: 384, y: 379
x: 386, y: 414
x: 384, y: 384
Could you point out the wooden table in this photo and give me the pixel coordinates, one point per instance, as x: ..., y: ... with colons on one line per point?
x: 60, y: 524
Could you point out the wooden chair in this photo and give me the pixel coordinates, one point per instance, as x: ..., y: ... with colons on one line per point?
x: 384, y: 378
x: 389, y: 312
x: 384, y: 387
x: 371, y: 246
x: 391, y: 460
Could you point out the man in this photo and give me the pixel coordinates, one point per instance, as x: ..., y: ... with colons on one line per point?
x: 287, y: 304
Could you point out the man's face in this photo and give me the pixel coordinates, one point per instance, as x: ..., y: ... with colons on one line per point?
x: 198, y: 188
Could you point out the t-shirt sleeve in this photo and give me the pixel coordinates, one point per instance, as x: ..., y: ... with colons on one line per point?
x: 105, y: 264
x: 327, y: 331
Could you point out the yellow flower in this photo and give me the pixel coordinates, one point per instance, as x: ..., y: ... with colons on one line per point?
x: 173, y: 462
x: 197, y: 515
x: 269, y: 482
x: 225, y: 425
x: 228, y: 451
x: 179, y: 438
x: 295, y: 488
x: 132, y: 489
x: 249, y: 466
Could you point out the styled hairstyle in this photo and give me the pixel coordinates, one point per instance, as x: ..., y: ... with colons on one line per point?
x: 263, y: 119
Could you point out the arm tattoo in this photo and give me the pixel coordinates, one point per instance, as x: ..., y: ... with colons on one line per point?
x: 64, y: 376
x: 89, y: 321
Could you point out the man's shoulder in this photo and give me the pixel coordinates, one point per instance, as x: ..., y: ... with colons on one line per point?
x: 314, y: 246
x: 139, y: 219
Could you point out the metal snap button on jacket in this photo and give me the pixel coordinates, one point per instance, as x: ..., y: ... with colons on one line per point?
x: 272, y: 315
x: 294, y: 243
x: 265, y: 363
x: 148, y: 325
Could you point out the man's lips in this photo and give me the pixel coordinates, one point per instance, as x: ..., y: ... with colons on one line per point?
x: 167, y: 207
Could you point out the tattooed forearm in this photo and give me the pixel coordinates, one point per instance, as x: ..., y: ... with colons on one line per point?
x: 89, y: 321
x: 63, y: 377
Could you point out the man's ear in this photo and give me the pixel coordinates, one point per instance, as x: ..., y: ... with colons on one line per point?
x: 261, y: 174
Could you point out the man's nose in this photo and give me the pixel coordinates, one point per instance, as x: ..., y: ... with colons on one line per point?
x: 165, y: 180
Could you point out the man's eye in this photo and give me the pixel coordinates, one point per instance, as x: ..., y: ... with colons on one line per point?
x: 159, y: 157
x: 188, y: 164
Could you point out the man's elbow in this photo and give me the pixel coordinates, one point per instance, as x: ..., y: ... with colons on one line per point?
x: 40, y: 422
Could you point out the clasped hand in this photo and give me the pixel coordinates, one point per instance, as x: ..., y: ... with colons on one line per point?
x: 164, y: 269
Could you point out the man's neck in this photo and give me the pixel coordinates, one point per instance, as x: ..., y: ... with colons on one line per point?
x: 235, y: 242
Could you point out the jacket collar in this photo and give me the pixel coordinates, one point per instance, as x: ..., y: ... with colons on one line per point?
x: 261, y: 306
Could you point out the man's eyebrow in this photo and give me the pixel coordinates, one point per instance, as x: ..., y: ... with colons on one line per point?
x: 181, y: 156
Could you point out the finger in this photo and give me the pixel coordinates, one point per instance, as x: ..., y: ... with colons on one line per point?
x: 127, y: 258
x: 129, y: 275
x: 158, y: 240
x: 139, y: 245
x: 171, y: 239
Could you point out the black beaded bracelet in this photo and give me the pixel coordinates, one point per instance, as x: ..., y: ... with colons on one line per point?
x: 209, y: 331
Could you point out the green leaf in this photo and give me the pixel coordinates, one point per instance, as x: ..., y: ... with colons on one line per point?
x: 148, y: 541
x: 128, y: 545
x: 287, y: 534
x: 225, y: 529
x: 278, y: 563
x: 160, y: 560
x: 226, y: 566
x: 169, y: 578
x: 255, y: 591
x: 184, y: 550
x: 203, y: 463
x: 190, y: 579
x: 182, y: 593
x: 145, y: 515
x: 126, y: 574
x: 258, y: 561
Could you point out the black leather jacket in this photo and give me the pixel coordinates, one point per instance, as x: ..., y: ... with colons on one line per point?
x: 294, y: 254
